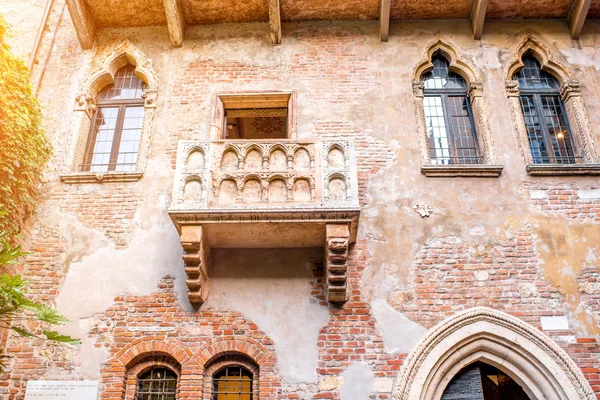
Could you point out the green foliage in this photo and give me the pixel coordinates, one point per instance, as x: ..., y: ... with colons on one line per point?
x: 24, y: 150
x: 16, y: 309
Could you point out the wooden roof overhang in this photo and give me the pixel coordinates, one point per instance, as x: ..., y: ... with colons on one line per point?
x: 89, y: 15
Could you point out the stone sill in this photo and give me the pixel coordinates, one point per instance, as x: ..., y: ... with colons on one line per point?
x: 100, y: 177
x: 463, y: 170
x: 563, y: 169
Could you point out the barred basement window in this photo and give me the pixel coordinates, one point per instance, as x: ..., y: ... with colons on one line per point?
x: 116, y: 128
x: 451, y: 132
x: 233, y: 382
x: 546, y: 122
x: 158, y: 383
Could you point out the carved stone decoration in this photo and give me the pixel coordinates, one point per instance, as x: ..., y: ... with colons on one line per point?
x: 85, y: 102
x: 545, y: 370
x: 121, y: 55
x: 196, y: 262
x: 337, y: 237
x: 424, y: 210
x: 481, y: 120
x: 574, y: 105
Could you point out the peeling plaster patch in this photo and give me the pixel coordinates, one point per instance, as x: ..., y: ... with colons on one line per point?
x: 589, y: 194
x: 271, y: 287
x: 567, y: 339
x: 92, y: 283
x: 585, y: 57
x: 357, y: 381
x: 382, y: 385
x: 399, y: 333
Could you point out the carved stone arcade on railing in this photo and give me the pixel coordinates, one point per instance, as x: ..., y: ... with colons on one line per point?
x: 306, y: 190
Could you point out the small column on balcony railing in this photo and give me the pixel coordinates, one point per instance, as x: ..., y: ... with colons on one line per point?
x: 265, y: 161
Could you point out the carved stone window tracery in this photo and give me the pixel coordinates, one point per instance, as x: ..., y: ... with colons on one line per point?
x: 467, y: 149
x: 77, y: 168
x: 580, y: 155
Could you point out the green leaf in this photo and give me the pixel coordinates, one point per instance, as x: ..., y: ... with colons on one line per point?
x: 57, y: 337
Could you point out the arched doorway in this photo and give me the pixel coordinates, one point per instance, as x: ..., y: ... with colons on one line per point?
x: 481, y: 381
x: 483, y: 335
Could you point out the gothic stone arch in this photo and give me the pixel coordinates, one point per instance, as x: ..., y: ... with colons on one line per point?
x: 570, y: 93
x: 121, y: 55
x: 528, y: 356
x: 475, y: 92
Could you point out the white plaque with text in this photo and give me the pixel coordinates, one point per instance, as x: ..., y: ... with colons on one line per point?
x: 62, y: 390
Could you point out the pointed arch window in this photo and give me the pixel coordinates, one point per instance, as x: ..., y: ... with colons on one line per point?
x: 451, y: 132
x: 116, y: 127
x: 545, y: 116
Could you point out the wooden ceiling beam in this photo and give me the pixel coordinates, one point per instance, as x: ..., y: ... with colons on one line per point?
x: 82, y: 22
x: 577, y: 16
x: 275, y: 21
x: 384, y: 20
x: 175, y: 21
x: 478, y: 17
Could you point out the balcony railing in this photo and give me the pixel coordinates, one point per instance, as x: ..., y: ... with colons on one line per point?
x: 265, y: 174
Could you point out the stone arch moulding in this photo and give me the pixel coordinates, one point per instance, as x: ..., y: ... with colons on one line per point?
x: 489, y: 167
x: 536, y: 362
x: 575, y: 108
x: 121, y: 55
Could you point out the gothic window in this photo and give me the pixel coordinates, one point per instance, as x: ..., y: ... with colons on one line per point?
x: 545, y: 115
x: 116, y: 127
x: 158, y: 383
x: 451, y: 133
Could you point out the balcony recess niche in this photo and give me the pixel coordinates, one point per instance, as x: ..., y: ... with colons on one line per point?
x: 267, y: 193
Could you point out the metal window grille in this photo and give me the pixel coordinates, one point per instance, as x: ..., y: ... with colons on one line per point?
x: 452, y: 138
x: 233, y: 382
x: 545, y: 117
x: 157, y: 384
x: 116, y: 128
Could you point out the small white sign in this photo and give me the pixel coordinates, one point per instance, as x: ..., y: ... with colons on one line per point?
x: 61, y: 390
x: 558, y: 323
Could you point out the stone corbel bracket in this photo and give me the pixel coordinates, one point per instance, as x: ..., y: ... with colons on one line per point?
x: 337, y: 243
x: 196, y: 258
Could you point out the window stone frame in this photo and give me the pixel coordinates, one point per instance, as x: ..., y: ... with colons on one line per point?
x: 85, y: 105
x: 489, y: 167
x: 143, y: 365
x: 572, y: 98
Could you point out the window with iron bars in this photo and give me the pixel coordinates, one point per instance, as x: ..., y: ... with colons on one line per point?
x: 451, y: 133
x: 233, y: 382
x: 548, y: 131
x: 116, y: 128
x: 157, y: 384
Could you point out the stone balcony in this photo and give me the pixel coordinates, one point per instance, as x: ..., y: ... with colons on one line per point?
x: 265, y: 194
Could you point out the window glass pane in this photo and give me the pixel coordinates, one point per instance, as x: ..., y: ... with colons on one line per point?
x: 556, y: 123
x: 157, y: 384
x: 127, y: 86
x: 437, y: 134
x: 130, y: 139
x: 104, y: 123
x: 535, y: 135
x: 531, y: 75
x: 440, y: 76
x: 464, y: 141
